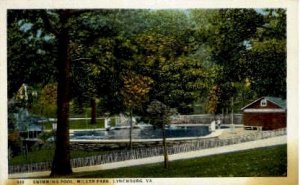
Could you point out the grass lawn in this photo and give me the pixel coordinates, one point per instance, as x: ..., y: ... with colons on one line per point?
x: 47, y: 155
x: 85, y: 124
x: 262, y: 162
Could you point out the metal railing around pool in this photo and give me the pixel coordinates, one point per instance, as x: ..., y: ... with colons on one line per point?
x: 139, y: 153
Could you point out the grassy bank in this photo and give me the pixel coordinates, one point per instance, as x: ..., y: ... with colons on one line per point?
x: 47, y: 155
x: 262, y: 162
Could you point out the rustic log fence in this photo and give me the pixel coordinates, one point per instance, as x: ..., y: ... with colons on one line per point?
x: 139, y: 153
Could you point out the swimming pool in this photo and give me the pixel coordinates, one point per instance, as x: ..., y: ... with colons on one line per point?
x: 147, y: 132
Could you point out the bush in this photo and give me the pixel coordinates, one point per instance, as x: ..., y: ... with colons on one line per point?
x: 14, y: 143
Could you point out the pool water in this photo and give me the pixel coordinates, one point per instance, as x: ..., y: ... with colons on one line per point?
x: 144, y: 133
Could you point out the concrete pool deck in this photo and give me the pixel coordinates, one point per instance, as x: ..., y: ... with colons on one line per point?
x: 187, y: 155
x: 218, y: 133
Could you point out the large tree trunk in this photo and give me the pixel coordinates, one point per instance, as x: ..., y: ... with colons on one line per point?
x: 166, y: 158
x: 61, y: 163
x: 93, y: 111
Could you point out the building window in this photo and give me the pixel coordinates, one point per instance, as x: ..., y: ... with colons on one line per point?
x: 263, y: 103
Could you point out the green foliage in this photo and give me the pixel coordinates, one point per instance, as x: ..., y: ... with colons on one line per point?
x: 135, y: 89
x: 12, y: 122
x: 274, y: 25
x: 266, y: 57
x: 248, y: 46
x: 204, y: 48
x: 159, y: 114
x: 44, y: 155
x: 177, y: 78
x: 31, y: 52
x: 84, y: 124
x: 233, y: 27
x: 267, y: 64
x: 14, y: 143
x: 45, y: 103
x: 45, y: 135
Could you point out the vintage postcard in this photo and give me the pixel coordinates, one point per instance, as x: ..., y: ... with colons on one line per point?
x: 149, y: 92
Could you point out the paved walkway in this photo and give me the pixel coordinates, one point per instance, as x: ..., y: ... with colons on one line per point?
x: 201, y: 153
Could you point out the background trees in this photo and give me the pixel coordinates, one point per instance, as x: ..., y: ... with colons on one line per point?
x: 242, y: 42
x: 231, y: 31
x: 225, y: 46
x: 266, y: 57
x: 178, y: 77
x: 31, y: 52
x: 45, y: 102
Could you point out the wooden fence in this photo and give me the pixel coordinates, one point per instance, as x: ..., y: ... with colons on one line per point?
x: 140, y: 153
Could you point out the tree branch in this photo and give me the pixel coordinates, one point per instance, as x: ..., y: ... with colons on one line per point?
x: 80, y: 59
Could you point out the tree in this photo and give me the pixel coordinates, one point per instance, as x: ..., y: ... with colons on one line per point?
x: 135, y: 92
x: 92, y: 43
x: 265, y: 58
x: 59, y: 26
x: 159, y: 116
x: 61, y: 163
x: 178, y: 77
x: 267, y: 68
x: 231, y: 31
x: 177, y: 57
x: 84, y: 87
x: 45, y: 103
x: 56, y: 25
x: 104, y: 52
x: 31, y: 52
x: 124, y: 49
